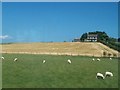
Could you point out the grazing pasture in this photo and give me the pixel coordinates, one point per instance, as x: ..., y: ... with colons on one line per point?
x: 30, y: 72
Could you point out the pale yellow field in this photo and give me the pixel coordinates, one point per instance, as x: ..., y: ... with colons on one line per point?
x: 66, y: 48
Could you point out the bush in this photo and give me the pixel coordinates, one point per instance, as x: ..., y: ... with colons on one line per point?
x: 114, y: 55
x: 104, y: 53
x: 109, y: 54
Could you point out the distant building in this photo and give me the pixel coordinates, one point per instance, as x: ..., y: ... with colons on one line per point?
x: 76, y: 40
x: 91, y: 38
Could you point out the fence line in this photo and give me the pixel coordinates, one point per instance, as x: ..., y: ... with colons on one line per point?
x: 53, y: 53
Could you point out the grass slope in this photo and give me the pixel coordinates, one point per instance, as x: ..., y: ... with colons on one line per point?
x: 30, y: 72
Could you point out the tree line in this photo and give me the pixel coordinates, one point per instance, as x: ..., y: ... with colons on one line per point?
x: 105, y: 39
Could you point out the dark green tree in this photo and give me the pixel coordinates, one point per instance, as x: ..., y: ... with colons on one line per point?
x: 83, y: 37
x: 105, y: 39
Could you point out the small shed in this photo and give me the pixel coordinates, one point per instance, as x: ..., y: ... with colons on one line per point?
x: 76, y: 40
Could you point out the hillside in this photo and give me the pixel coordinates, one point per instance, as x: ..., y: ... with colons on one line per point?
x: 101, y: 37
x: 66, y: 48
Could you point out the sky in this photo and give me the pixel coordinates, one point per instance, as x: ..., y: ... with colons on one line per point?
x: 57, y: 22
x: 0, y: 21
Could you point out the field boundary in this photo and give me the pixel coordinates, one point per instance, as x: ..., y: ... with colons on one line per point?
x: 47, y: 53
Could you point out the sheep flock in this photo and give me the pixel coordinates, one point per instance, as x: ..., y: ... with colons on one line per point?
x: 98, y: 75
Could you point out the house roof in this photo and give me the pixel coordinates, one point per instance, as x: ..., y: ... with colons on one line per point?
x: 92, y: 35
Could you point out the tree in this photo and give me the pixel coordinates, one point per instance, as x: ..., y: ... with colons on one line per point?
x: 83, y: 37
x: 118, y: 39
x: 105, y: 39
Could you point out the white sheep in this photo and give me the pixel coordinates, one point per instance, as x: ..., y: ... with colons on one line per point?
x: 108, y: 74
x: 100, y: 75
x: 43, y: 61
x: 110, y: 58
x: 15, y: 59
x: 2, y: 58
x: 98, y: 59
x: 69, y: 61
x: 93, y: 59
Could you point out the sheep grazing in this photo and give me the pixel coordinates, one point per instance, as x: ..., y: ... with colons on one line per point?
x: 110, y: 58
x: 100, y: 75
x: 93, y: 59
x: 69, y: 61
x: 43, y: 61
x: 15, y: 59
x: 110, y: 74
x: 98, y: 59
x: 2, y: 58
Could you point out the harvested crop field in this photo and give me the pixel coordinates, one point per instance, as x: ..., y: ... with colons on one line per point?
x: 67, y: 48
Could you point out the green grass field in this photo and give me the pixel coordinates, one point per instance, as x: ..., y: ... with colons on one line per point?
x: 30, y: 72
